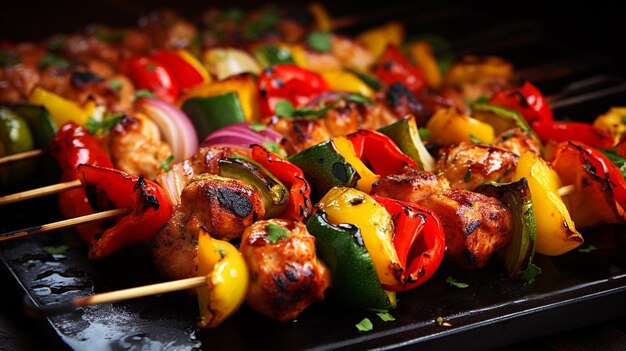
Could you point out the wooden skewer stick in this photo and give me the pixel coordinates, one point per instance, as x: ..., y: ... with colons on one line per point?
x: 43, y: 191
x: 64, y: 224
x: 566, y: 190
x: 118, y: 295
x: 22, y: 156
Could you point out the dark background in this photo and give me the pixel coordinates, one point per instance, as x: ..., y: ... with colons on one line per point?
x: 588, y: 26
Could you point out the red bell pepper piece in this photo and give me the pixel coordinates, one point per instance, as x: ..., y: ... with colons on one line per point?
x: 527, y: 100
x: 288, y: 82
x: 299, y: 206
x: 394, y: 67
x: 380, y: 152
x: 575, y: 131
x: 71, y: 146
x: 110, y: 188
x: 419, y: 240
x: 184, y: 70
x: 148, y: 73
x: 601, y: 165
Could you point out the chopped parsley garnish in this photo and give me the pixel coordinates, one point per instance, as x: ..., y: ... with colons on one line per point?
x: 220, y: 250
x: 109, y: 36
x: 424, y: 133
x: 55, y: 250
x: 96, y: 127
x: 284, y: 108
x: 273, y: 147
x: 450, y: 280
x: 257, y: 127
x: 233, y: 14
x: 275, y: 233
x: 619, y: 161
x: 365, y: 325
x: 359, y: 99
x: 143, y: 93
x: 115, y: 84
x: 531, y: 272
x: 150, y: 67
x: 320, y: 41
x: 268, y: 19
x: 474, y: 139
x: 385, y: 316
x: 167, y: 163
x: 468, y: 175
x: 51, y: 59
x: 623, y: 119
x: 8, y: 59
x: 587, y: 249
x: 439, y: 320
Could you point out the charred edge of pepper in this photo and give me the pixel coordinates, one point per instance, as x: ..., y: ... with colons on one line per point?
x: 148, y: 200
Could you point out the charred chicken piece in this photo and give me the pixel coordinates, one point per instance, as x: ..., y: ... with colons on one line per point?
x: 469, y: 165
x: 223, y: 207
x: 285, y: 274
x: 476, y: 226
x: 412, y: 186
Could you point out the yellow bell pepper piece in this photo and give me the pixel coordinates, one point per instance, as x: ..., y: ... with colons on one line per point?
x: 340, y: 80
x: 323, y: 21
x: 613, y: 121
x: 227, y: 280
x: 346, y: 149
x: 422, y: 53
x: 451, y: 126
x: 351, y: 206
x: 62, y: 110
x: 377, y: 39
x: 197, y: 65
x: 245, y: 87
x: 556, y: 233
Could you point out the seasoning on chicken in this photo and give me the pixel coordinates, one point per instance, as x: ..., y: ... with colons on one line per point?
x: 223, y: 207
x: 411, y: 186
x: 285, y: 274
x: 136, y: 146
x: 517, y: 141
x: 468, y: 165
x: 476, y: 225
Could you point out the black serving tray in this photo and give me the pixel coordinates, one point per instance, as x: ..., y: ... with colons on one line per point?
x: 575, y: 289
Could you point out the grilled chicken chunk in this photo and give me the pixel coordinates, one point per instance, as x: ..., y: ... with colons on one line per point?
x: 475, y: 225
x: 413, y: 186
x: 285, y: 274
x: 136, y: 146
x: 517, y: 141
x: 223, y: 206
x: 469, y: 165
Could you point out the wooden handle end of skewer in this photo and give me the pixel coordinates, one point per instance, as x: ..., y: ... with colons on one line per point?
x: 22, y: 156
x: 43, y: 191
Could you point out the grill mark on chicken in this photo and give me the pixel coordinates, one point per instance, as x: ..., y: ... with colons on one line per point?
x: 234, y: 202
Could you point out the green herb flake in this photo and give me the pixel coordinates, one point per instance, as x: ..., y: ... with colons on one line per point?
x: 468, y: 175
x: 96, y: 127
x: 141, y: 93
x: 284, y: 108
x: 9, y: 58
x: 257, y: 127
x: 359, y: 99
x: 320, y: 41
x: 55, y: 250
x: 385, y: 316
x: 439, y: 320
x: 57, y: 43
x: 619, y: 161
x: 220, y: 250
x: 268, y: 19
x: 233, y: 14
x: 474, y: 139
x: 51, y: 59
x: 275, y: 148
x: 115, y: 85
x: 275, y: 233
x: 623, y: 119
x: 530, y: 273
x: 109, y: 36
x: 167, y: 163
x: 450, y: 280
x: 150, y: 67
x: 364, y: 325
x: 587, y: 249
x: 424, y: 133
